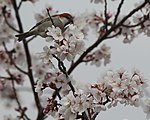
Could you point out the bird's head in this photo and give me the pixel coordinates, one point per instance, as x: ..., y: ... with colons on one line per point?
x: 66, y: 18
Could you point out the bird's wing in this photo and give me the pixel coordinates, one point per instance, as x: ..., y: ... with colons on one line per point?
x: 39, y: 23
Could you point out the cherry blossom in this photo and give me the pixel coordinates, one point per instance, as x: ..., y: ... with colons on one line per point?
x: 96, y: 57
x: 65, y: 45
x: 5, y: 31
x: 47, y: 53
x: 71, y: 105
x: 55, y: 32
x: 4, y: 59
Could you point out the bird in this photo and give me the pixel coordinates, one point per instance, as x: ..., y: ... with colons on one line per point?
x: 58, y: 20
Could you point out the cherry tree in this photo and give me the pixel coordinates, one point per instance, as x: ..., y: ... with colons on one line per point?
x: 50, y: 71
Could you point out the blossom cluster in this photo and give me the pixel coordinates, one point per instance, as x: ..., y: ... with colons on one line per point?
x: 129, y: 29
x: 132, y: 28
x: 65, y: 45
x: 52, y: 79
x: 6, y: 20
x: 13, y: 56
x: 10, y: 65
x: 113, y: 88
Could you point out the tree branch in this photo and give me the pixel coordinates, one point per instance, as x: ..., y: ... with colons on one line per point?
x: 30, y: 74
x: 62, y: 67
x: 101, y: 38
x: 106, y: 16
x: 20, y: 3
x: 118, y: 12
x: 20, y: 109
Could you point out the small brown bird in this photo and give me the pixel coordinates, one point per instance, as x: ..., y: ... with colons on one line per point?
x: 58, y: 20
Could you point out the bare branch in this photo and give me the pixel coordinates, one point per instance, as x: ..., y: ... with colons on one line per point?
x: 61, y: 65
x: 56, y: 93
x: 106, y: 16
x: 138, y: 24
x: 50, y: 17
x: 29, y: 63
x: 118, y: 11
x: 20, y: 3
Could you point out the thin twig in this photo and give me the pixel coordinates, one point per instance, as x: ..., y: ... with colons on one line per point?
x: 106, y: 16
x: 22, y: 112
x: 9, y: 53
x: 50, y: 17
x: 56, y: 93
x: 135, y: 25
x: 4, y: 15
x: 62, y: 67
x: 20, y: 3
x: 118, y: 12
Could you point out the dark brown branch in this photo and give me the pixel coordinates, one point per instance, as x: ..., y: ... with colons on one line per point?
x: 62, y: 68
x: 50, y: 17
x: 29, y: 40
x: 114, y: 35
x: 56, y: 93
x: 61, y: 65
x: 106, y: 16
x: 101, y: 38
x: 135, y: 25
x: 29, y: 63
x: 20, y: 3
x: 118, y: 12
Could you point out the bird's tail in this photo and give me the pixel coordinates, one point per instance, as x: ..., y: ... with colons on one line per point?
x: 22, y: 36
